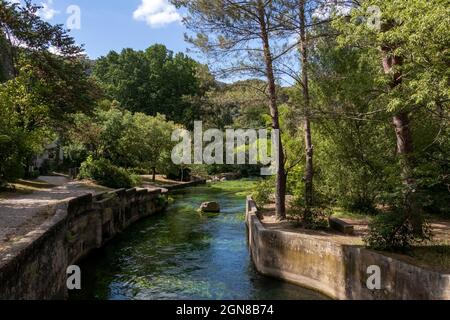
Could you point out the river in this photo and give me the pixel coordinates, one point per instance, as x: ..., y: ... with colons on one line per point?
x: 183, y: 254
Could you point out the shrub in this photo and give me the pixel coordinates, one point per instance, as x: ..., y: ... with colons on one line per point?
x: 359, y: 205
x: 34, y: 174
x: 263, y: 192
x: 105, y: 173
x: 313, y: 218
x: 139, y: 171
x: 395, y: 232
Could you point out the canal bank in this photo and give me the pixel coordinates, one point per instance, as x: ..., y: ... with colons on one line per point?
x: 127, y: 251
x: 339, y: 270
x: 35, y: 267
x: 183, y: 254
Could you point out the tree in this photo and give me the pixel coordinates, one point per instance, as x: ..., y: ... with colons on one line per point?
x: 21, y: 27
x: 413, y: 49
x: 39, y: 89
x: 354, y: 153
x: 55, y: 65
x: 242, y: 104
x: 6, y: 67
x: 152, y: 81
x: 19, y: 140
x: 148, y: 140
x: 305, y: 21
x: 240, y: 36
x: 129, y: 140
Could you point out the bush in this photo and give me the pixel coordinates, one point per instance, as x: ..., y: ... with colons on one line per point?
x: 34, y: 174
x: 263, y: 192
x: 312, y: 218
x: 359, y: 205
x: 395, y: 232
x: 140, y: 171
x: 105, y: 173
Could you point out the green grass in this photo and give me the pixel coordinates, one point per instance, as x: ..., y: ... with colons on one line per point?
x: 242, y: 187
x: 344, y: 214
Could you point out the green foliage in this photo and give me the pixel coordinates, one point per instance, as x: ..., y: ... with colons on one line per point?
x: 422, y: 40
x: 413, y: 81
x: 59, y: 81
x: 395, y: 232
x: 125, y: 139
x: 313, y: 218
x: 21, y: 22
x: 398, y: 228
x: 105, y: 173
x: 240, y: 105
x: 40, y: 89
x: 152, y: 81
x: 21, y: 134
x: 263, y: 192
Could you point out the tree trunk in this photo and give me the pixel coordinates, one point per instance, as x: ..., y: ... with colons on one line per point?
x: 405, y: 143
x: 309, y: 167
x: 7, y: 57
x: 405, y: 146
x: 154, y: 174
x: 280, y: 196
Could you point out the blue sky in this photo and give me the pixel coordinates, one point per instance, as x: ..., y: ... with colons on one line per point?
x: 107, y: 25
x: 113, y: 25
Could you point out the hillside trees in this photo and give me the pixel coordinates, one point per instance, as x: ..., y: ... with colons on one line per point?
x: 153, y: 81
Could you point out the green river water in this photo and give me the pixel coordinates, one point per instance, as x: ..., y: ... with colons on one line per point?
x: 182, y: 254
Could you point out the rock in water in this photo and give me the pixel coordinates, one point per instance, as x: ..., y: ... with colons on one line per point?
x: 212, y: 207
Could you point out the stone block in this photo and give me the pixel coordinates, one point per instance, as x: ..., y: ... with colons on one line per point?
x: 341, y: 226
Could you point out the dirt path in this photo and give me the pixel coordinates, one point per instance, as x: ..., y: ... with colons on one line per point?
x: 19, y: 214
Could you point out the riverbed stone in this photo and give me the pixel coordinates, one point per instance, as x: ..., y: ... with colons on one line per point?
x: 212, y: 207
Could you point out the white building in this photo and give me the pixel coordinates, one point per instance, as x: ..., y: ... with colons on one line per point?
x: 52, y: 153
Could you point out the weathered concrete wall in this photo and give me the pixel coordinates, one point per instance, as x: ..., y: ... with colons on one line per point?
x: 36, y: 269
x: 337, y: 270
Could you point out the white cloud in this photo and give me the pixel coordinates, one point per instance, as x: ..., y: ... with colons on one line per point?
x: 47, y: 12
x: 156, y: 13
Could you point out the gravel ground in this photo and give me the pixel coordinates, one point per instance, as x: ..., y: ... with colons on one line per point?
x: 20, y: 214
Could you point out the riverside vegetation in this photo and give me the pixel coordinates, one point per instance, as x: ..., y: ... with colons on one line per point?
x: 363, y: 112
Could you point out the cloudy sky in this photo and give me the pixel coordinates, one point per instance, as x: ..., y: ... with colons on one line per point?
x: 113, y: 25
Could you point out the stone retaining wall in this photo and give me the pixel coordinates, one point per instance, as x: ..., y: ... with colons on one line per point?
x: 36, y: 267
x: 339, y: 271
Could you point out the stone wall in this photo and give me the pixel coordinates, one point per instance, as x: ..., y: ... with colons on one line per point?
x: 36, y: 267
x: 339, y: 271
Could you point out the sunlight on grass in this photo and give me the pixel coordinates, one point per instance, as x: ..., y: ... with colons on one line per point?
x: 344, y: 214
x: 239, y: 187
x: 21, y: 187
